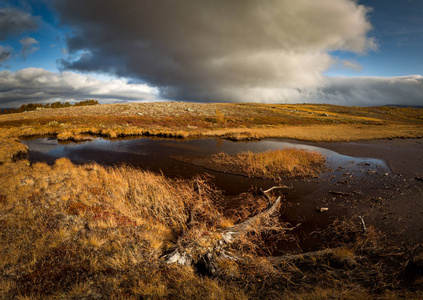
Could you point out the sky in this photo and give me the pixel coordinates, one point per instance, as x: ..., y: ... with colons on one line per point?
x: 346, y: 52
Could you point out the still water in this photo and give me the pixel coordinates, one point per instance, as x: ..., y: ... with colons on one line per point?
x: 156, y: 154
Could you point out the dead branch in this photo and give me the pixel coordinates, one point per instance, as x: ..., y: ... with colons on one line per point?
x: 273, y: 188
x: 213, y: 246
x: 276, y: 187
x: 291, y: 228
x: 291, y: 257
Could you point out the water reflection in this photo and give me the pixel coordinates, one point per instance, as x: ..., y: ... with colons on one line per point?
x: 137, y: 151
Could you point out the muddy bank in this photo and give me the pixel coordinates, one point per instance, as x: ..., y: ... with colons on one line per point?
x: 394, y: 203
x: 404, y: 156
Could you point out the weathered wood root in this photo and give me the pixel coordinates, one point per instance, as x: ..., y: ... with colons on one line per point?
x: 213, y: 247
x: 217, y: 242
x: 229, y: 234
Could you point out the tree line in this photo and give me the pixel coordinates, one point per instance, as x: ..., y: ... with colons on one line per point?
x: 34, y: 106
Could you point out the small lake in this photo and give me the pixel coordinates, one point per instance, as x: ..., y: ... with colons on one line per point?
x: 156, y: 155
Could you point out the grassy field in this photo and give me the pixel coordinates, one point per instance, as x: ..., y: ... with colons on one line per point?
x: 93, y: 232
x: 308, y: 122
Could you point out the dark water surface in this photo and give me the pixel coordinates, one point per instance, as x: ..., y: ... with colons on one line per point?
x: 155, y: 155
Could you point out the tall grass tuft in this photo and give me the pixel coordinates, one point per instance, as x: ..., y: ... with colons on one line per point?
x: 276, y: 165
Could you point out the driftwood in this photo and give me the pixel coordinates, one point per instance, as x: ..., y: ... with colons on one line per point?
x: 229, y: 234
x: 213, y: 246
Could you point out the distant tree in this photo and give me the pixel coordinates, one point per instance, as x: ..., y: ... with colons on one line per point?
x: 86, y: 102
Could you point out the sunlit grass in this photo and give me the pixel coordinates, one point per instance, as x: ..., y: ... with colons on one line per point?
x: 89, y: 230
x: 235, y: 121
x: 276, y: 165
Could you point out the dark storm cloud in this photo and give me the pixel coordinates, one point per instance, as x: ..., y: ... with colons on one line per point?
x: 220, y: 50
x: 14, y: 22
x: 39, y: 85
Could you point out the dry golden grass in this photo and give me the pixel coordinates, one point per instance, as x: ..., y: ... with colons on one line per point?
x: 89, y: 231
x: 11, y: 150
x: 276, y: 165
x: 70, y: 136
x: 233, y: 121
x: 322, y: 133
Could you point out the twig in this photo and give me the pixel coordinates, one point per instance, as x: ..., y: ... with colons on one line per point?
x: 362, y: 223
x: 291, y: 228
x: 276, y: 187
x: 273, y: 188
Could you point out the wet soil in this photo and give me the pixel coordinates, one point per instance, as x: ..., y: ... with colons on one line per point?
x: 404, y: 156
x: 394, y: 204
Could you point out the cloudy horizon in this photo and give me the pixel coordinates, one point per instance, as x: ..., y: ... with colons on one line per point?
x: 274, y: 51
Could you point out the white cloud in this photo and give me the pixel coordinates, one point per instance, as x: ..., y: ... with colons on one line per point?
x: 40, y: 85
